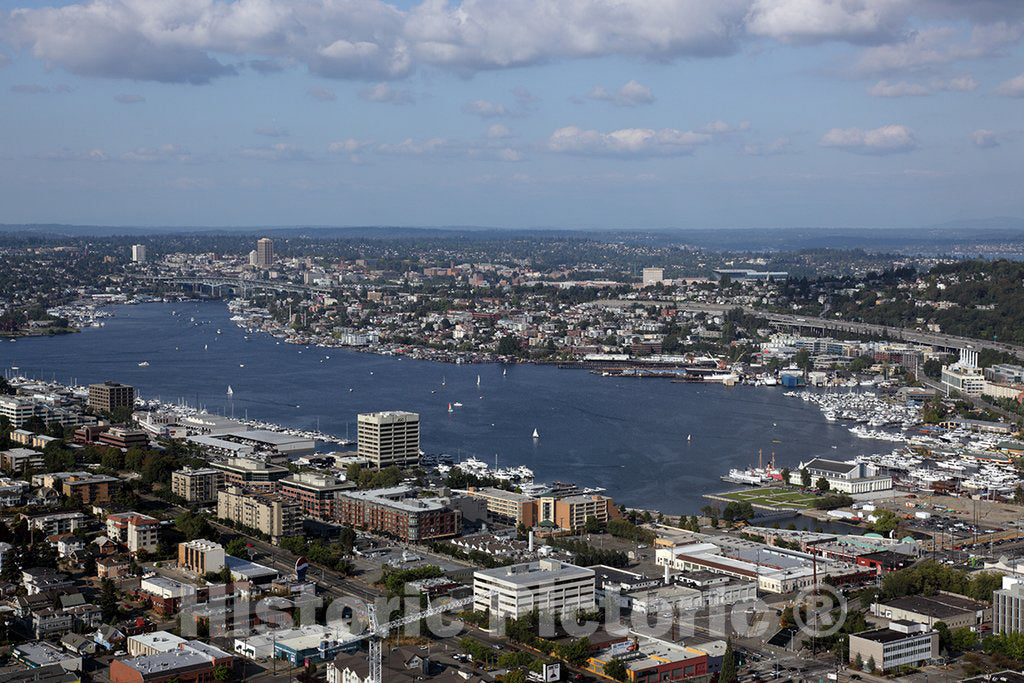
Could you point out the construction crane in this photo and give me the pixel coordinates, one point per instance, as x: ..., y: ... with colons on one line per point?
x: 377, y: 632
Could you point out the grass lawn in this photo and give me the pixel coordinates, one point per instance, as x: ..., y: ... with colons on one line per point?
x: 772, y: 496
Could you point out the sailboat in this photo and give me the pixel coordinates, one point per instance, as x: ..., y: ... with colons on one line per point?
x: 205, y: 346
x: 231, y: 392
x: 688, y: 437
x: 144, y: 364
x: 450, y: 408
x: 478, y: 380
x: 536, y: 435
x: 504, y: 371
x: 442, y: 380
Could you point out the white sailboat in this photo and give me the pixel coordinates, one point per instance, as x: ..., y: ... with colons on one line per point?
x: 144, y: 364
x: 536, y: 435
x: 504, y: 371
x: 478, y: 380
x: 688, y: 437
x: 450, y: 408
x: 442, y: 380
x: 231, y: 392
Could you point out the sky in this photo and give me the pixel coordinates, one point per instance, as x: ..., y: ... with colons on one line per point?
x: 619, y: 114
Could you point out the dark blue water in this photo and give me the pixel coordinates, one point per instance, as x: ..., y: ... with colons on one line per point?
x: 627, y: 435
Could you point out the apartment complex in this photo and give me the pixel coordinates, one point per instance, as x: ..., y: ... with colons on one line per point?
x: 135, y: 530
x: 268, y: 514
x: 91, y: 488
x: 389, y: 438
x: 546, y: 585
x: 316, y: 493
x: 201, y: 556
x: 903, y: 643
x: 197, y: 485
x: 138, y: 253
x: 399, y: 513
x: 20, y: 460
x: 264, y: 251
x: 108, y: 396
x: 507, y: 506
x: 572, y: 512
x: 251, y: 474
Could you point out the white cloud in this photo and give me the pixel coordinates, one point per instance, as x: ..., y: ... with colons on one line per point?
x: 166, y: 152
x: 272, y: 132
x: 348, y: 146
x: 884, y: 88
x: 1013, y: 87
x: 891, y: 139
x: 774, y: 148
x: 931, y: 47
x: 632, y: 94
x: 126, y: 98
x: 984, y: 139
x: 321, y: 94
x: 384, y: 93
x: 277, y: 152
x: 627, y: 142
x: 498, y: 132
x: 804, y: 21
x: 485, y: 109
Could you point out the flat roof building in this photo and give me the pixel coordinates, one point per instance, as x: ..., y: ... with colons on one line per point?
x: 268, y: 514
x: 903, y: 643
x: 197, y: 485
x: 389, y: 438
x: 399, y: 513
x: 546, y: 585
x: 108, y: 396
x: 200, y: 556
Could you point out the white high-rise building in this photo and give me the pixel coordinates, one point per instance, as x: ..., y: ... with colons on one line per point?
x: 139, y: 253
x: 653, y: 276
x: 390, y: 438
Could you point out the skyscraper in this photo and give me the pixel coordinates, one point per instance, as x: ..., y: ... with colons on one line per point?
x: 264, y: 251
x: 139, y: 253
x: 390, y: 438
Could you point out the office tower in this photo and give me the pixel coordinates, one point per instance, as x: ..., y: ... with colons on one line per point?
x: 390, y: 438
x: 139, y: 253
x: 264, y: 251
x: 110, y: 395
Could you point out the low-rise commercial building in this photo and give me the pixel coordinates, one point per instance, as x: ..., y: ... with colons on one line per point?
x: 399, y: 513
x: 955, y: 611
x: 903, y: 643
x: 547, y: 585
x: 251, y: 474
x: 843, y: 477
x: 269, y: 514
x: 191, y: 662
x: 648, y: 660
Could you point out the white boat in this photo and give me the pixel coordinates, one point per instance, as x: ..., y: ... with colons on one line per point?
x: 144, y: 364
x: 457, y: 404
x: 241, y: 365
x: 504, y: 372
x: 535, y: 434
x: 478, y: 380
x: 231, y: 392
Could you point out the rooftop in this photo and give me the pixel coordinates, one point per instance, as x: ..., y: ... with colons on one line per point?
x: 532, y: 572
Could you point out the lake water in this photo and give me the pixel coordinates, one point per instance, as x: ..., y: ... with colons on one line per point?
x: 626, y: 435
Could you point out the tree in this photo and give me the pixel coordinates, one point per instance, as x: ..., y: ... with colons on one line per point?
x: 886, y: 522
x: 236, y: 547
x: 785, y: 476
x: 575, y: 652
x: 728, y: 672
x: 591, y: 526
x: 858, y: 662
x: 822, y: 484
x: 508, y: 346
x: 221, y: 672
x: 805, y: 478
x: 616, y: 669
x: 871, y: 666
x: 108, y: 600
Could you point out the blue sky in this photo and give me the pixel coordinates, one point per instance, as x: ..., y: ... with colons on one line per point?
x: 567, y: 113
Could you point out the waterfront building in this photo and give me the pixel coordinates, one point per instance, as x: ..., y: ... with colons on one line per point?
x: 251, y: 474
x: 316, y: 493
x: 508, y: 507
x: 264, y: 251
x: 964, y: 376
x: 260, y: 443
x: 138, y: 253
x: 547, y: 585
x: 268, y: 514
x: 109, y: 396
x: 197, y: 485
x: 135, y: 530
x: 399, y: 513
x: 200, y: 556
x: 572, y: 512
x: 842, y: 477
x: 389, y: 438
x: 903, y: 643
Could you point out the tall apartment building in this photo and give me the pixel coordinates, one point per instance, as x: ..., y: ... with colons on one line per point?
x: 197, y: 485
x: 135, y: 530
x: 139, y: 253
x: 251, y: 474
x: 399, y: 513
x: 201, y: 556
x: 111, y: 395
x: 91, y: 488
x: 269, y: 514
x: 315, y: 492
x: 390, y: 438
x: 546, y: 585
x: 264, y: 251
